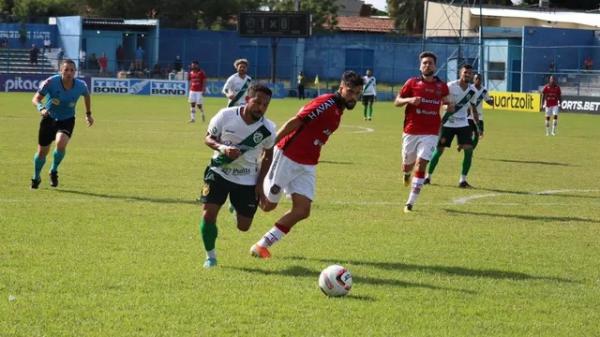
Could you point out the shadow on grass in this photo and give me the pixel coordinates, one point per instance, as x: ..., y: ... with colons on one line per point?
x: 335, y: 162
x: 299, y: 271
x: 557, y: 193
x: 523, y: 217
x: 129, y: 197
x: 536, y: 162
x: 447, y: 270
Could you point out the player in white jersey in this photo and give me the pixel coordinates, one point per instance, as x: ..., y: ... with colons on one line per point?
x: 237, y: 84
x: 481, y: 95
x: 462, y: 94
x: 369, y: 94
x: 242, y: 138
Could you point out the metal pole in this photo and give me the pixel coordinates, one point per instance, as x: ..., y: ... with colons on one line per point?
x: 274, y: 59
x: 481, y: 57
x: 424, y: 35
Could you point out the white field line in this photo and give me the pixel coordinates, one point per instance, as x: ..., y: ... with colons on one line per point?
x: 361, y: 129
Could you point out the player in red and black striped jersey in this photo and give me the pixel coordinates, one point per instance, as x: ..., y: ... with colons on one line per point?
x: 423, y: 97
x: 297, y: 151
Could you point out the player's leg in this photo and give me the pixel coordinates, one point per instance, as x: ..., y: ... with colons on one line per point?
x: 192, y: 112
x: 424, y: 153
x: 302, y: 189
x: 200, y: 104
x: 547, y: 118
x: 445, y: 141
x: 243, y: 199
x: 63, y: 135
x: 46, y: 135
x: 300, y: 210
x: 365, y: 102
x: 554, y: 120
x: 370, y: 114
x: 214, y: 194
x: 409, y: 156
x: 465, y: 141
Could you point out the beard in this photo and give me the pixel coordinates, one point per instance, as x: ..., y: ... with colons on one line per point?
x: 428, y: 73
x: 350, y: 105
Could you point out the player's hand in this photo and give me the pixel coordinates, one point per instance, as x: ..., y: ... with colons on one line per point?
x: 450, y: 107
x: 89, y: 120
x: 415, y: 100
x: 232, y: 152
x: 44, y: 113
x: 231, y: 96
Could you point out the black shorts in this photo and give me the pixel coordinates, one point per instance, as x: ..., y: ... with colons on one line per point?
x: 49, y: 127
x: 463, y: 135
x: 368, y: 99
x: 216, y: 189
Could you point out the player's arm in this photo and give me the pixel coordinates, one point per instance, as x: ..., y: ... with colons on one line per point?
x: 37, y: 102
x: 448, y: 103
x: 287, y: 128
x: 265, y: 163
x: 87, y: 100
x: 228, y: 90
x: 402, y: 101
x: 229, y: 151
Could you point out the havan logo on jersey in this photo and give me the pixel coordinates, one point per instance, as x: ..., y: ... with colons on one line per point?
x: 321, y: 108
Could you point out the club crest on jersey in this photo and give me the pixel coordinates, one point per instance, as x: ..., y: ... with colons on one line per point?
x: 55, y: 101
x: 205, y: 190
x: 257, y: 137
x: 214, y: 131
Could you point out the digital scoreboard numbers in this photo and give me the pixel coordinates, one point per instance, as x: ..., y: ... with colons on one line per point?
x: 274, y: 24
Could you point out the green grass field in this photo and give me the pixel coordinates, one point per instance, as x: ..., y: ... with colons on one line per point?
x: 115, y: 250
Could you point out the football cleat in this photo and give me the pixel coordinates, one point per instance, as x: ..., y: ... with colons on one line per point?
x: 260, y: 252
x: 406, y: 179
x: 427, y: 181
x: 209, y: 263
x: 53, y: 178
x: 408, y: 208
x: 464, y: 184
x: 35, y: 183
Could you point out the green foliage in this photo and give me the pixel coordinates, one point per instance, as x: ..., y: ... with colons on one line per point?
x: 324, y: 13
x: 407, y: 15
x: 115, y: 249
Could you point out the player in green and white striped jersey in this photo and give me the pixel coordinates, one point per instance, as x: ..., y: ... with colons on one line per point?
x: 369, y: 94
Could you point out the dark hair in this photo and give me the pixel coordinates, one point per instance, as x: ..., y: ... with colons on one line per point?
x: 466, y: 66
x: 194, y: 62
x: 257, y: 87
x: 428, y: 54
x: 352, y: 79
x: 68, y: 61
x: 478, y: 75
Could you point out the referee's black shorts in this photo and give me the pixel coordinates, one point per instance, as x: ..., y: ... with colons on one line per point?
x: 49, y: 127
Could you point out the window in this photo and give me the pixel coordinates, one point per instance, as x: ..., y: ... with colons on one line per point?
x: 496, y: 70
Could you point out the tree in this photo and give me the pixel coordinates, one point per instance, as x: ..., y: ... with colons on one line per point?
x: 407, y: 15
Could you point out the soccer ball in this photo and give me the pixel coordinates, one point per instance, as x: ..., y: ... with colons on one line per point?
x: 335, y: 281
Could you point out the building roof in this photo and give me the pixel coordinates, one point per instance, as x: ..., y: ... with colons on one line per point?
x: 365, y: 24
x: 589, y: 19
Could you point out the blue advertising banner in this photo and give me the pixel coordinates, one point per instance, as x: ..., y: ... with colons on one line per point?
x: 26, y: 83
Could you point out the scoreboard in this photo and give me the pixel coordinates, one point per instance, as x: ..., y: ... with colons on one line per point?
x: 274, y: 24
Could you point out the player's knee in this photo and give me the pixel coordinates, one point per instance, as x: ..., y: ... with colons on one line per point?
x: 301, y: 212
x: 267, y: 206
x: 244, y: 224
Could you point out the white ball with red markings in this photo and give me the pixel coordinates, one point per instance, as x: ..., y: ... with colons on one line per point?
x: 335, y: 281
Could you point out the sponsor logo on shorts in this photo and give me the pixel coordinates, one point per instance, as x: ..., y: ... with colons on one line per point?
x: 275, y: 189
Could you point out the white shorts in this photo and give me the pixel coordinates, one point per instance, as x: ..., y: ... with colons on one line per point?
x: 552, y: 110
x: 195, y: 97
x: 417, y: 146
x: 289, y: 177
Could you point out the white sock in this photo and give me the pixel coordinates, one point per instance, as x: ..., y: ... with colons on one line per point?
x: 417, y: 184
x: 211, y: 254
x: 270, y: 237
x: 193, y: 113
x: 554, y: 125
x: 463, y: 177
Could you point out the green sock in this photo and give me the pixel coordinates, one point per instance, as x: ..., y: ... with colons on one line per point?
x: 209, y: 233
x: 38, y: 163
x: 57, y: 158
x: 434, y: 161
x: 370, y: 110
x: 468, y: 159
x: 365, y: 112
